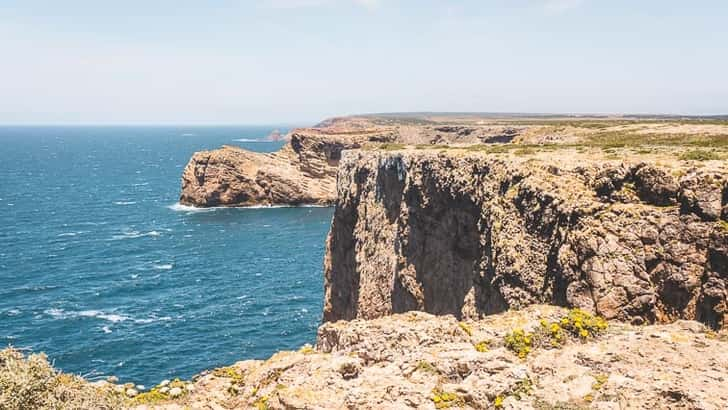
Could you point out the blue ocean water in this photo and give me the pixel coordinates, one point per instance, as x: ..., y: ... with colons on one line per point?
x: 102, y: 271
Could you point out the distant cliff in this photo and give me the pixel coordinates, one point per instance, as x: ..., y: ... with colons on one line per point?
x: 473, y: 234
x: 302, y: 172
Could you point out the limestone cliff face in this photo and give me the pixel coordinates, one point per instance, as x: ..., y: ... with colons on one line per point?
x: 476, y: 234
x: 302, y: 172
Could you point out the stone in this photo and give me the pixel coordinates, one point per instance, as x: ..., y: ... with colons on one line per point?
x: 175, y: 392
x: 131, y: 392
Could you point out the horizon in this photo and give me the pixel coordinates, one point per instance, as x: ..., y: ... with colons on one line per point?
x: 302, y: 61
x: 490, y: 115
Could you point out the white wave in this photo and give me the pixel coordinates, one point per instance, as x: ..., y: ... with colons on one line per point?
x: 250, y: 140
x: 124, y: 202
x: 177, y: 207
x: 59, y: 313
x: 166, y: 266
x: 135, y: 234
x: 13, y: 312
x: 62, y: 314
x: 187, y: 208
x: 106, y: 329
x: 141, y: 184
x: 111, y: 317
x: 134, y: 275
x: 188, y: 134
x: 68, y: 234
x: 153, y: 319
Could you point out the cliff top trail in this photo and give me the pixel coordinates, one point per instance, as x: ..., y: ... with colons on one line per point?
x: 304, y: 170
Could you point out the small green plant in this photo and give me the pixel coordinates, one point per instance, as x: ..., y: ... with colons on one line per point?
x: 445, y: 400
x: 151, y: 397
x: 699, y: 155
x: 262, y: 403
x: 466, y: 328
x: 306, y: 349
x: 601, y: 379
x: 583, y: 324
x: 482, y: 346
x: 427, y: 367
x: 520, y: 342
x: 523, y: 388
x: 576, y: 324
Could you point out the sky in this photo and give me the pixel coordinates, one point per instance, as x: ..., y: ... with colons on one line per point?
x: 300, y: 61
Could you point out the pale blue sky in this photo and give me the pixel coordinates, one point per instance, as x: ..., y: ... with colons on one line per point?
x: 276, y: 61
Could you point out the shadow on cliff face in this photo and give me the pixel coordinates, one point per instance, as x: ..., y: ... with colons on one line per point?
x: 342, y: 275
x: 441, y: 255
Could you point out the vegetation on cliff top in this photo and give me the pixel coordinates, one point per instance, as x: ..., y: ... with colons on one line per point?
x: 31, y: 383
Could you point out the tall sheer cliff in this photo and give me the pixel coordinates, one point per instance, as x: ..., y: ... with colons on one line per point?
x: 472, y: 234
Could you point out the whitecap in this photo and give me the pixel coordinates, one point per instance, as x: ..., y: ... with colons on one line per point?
x: 124, y: 202
x: 141, y: 184
x: 189, y: 134
x: 134, y: 276
x: 97, y: 314
x: 13, y: 312
x: 166, y: 266
x: 111, y: 317
x: 135, y: 234
x: 57, y: 313
x: 106, y: 329
x: 153, y: 319
x: 71, y: 233
x: 250, y: 140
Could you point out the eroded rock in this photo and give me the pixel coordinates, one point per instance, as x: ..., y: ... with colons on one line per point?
x: 472, y: 235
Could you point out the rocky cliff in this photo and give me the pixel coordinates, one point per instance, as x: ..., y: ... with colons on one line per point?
x: 639, y: 238
x: 302, y: 172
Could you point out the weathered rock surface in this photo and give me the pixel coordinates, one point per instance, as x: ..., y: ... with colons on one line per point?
x: 302, y: 172
x: 417, y: 360
x: 475, y: 234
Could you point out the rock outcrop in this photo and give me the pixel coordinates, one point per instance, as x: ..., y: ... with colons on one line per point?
x: 473, y: 234
x: 417, y: 360
x: 302, y: 172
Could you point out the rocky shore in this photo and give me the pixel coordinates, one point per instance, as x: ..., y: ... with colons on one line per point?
x: 539, y: 357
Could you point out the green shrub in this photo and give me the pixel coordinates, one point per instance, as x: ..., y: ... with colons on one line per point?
x: 31, y: 383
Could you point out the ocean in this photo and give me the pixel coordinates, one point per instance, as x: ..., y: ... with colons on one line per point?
x: 103, y: 270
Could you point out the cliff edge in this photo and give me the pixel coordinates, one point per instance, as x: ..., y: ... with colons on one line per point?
x: 630, y: 236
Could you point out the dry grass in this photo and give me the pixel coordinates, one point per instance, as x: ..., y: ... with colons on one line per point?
x: 28, y: 383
